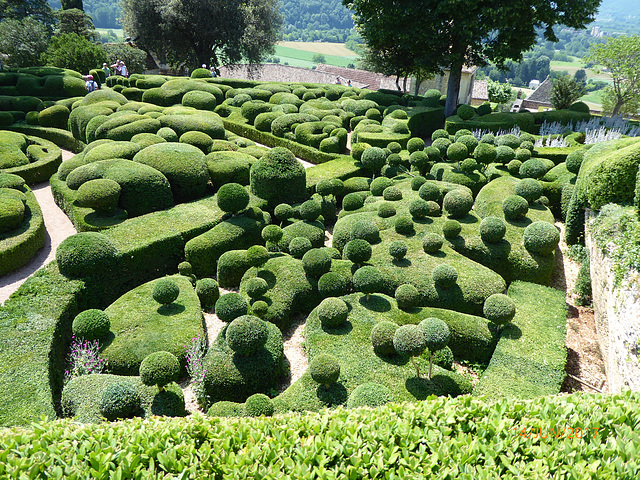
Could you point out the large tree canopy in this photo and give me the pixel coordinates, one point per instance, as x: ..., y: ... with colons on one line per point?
x: 199, y: 32
x: 427, y: 36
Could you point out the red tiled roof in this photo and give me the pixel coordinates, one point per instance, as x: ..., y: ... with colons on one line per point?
x: 370, y: 79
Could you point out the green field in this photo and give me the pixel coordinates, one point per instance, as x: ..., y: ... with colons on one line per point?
x: 302, y: 57
x: 117, y: 31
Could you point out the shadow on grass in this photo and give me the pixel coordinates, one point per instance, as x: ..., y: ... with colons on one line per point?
x: 170, y: 309
x: 334, y: 394
x: 375, y: 303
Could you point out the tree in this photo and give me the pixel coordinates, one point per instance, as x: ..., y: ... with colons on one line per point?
x: 580, y: 76
x: 204, y: 32
x: 72, y: 51
x: 499, y: 92
x: 134, y: 58
x: 458, y: 33
x: 565, y: 90
x: 74, y: 20
x: 38, y: 10
x: 318, y: 58
x: 620, y: 56
x: 24, y: 41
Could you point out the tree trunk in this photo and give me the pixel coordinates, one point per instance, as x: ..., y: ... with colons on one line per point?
x: 453, y: 90
x: 398, y: 82
x: 418, y: 82
x: 617, y: 108
x: 404, y: 85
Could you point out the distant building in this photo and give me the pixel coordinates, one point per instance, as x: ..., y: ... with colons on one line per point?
x: 480, y: 92
x: 533, y: 84
x: 540, y: 97
x: 440, y: 82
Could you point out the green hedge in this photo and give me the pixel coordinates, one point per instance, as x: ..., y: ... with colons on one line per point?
x: 62, y: 138
x: 530, y: 357
x: 44, y: 156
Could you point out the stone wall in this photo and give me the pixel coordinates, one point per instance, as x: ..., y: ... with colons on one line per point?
x: 617, y: 317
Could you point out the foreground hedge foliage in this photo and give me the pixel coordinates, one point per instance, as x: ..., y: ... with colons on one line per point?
x: 462, y: 438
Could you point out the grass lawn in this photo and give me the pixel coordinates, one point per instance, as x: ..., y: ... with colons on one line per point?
x: 300, y: 54
x: 573, y: 67
x: 335, y: 49
x: 117, y: 31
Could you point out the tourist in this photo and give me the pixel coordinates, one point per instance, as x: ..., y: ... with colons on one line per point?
x: 90, y: 84
x: 117, y: 67
x: 337, y: 81
x: 123, y: 70
x: 106, y: 70
x: 213, y: 71
x: 349, y: 83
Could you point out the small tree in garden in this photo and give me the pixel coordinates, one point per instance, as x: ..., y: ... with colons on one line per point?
x: 367, y: 280
x: 159, y: 368
x: 409, y: 341
x: 373, y: 159
x: 499, y: 309
x: 165, y: 291
x: 325, y: 369
x: 257, y: 256
x: 565, y: 91
x: 358, y: 251
x: 436, y: 334
x: 232, y: 198
x: 272, y: 234
x: 256, y: 287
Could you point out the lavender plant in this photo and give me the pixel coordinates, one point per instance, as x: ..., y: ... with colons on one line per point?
x: 84, y: 358
x: 195, y: 367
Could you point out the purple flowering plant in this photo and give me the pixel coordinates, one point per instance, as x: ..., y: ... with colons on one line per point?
x: 84, y: 358
x: 195, y: 352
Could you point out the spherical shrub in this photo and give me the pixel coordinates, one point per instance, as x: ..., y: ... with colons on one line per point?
x: 468, y: 141
x: 579, y: 107
x: 324, y: 188
x: 165, y: 291
x: 256, y: 287
x: 373, y: 158
x: 333, y: 312
x: 366, y: 230
x: 208, y: 292
x: 310, y: 210
x: 101, y: 194
x: 417, y: 182
x: 86, y: 254
x: 403, y: 225
x: 394, y: 159
x: 509, y: 140
x: 451, y: 228
x: 541, y: 238
x: 444, y: 276
x: 505, y: 154
x: 407, y: 296
x: 523, y: 154
x: 514, y: 207
x: 120, y: 400
x: 492, y: 229
x: 485, y: 153
x: 298, y: 246
x: 529, y: 189
x: 430, y: 191
x: 369, y: 395
x: 432, y: 242
x: 386, y: 210
x: 278, y: 177
x: 379, y: 184
x: 420, y: 161
x: 283, y: 212
x: 499, y: 309
x: 257, y: 255
x: 324, y: 369
x: 442, y: 144
x: 357, y: 250
x: 533, y: 168
x: 456, y: 152
x: 272, y: 233
x: 489, y: 138
x: 316, y: 262
x: 368, y: 280
x: 527, y: 145
x: 357, y: 149
x: 409, y: 340
x: 484, y: 109
x: 246, y: 335
x: 332, y: 284
x: 574, y: 161
x: 159, y: 368
x: 232, y: 197
x: 468, y: 165
x: 461, y: 133
x: 439, y: 133
x: 352, y: 201
x: 382, y: 335
x: 466, y: 112
x: 231, y: 306
x: 433, y: 153
x: 258, y: 405
x: 91, y: 325
x: 436, y: 333
x: 398, y: 250
x: 513, y: 167
x: 414, y: 144
x: 185, y: 269
x: 259, y: 308
x: 392, y: 194
x: 458, y: 203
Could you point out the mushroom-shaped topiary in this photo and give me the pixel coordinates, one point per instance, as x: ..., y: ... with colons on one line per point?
x: 432, y: 243
x: 398, y: 250
x: 258, y: 405
x: 458, y: 203
x: 373, y: 159
x: 499, y: 309
x: 208, y: 292
x: 382, y: 335
x: 451, y: 228
x: 316, y: 262
x: 231, y: 306
x: 541, y: 238
x: 407, y: 296
x: 120, y: 400
x: 246, y: 335
x: 368, y: 280
x: 504, y: 154
x: 101, y: 194
x: 515, y: 207
x: 256, y: 287
x: 159, y: 368
x: 232, y: 198
x: 456, y: 152
x: 444, y: 276
x: 436, y: 334
x: 415, y: 144
x: 310, y: 210
x: 358, y: 251
x: 333, y: 312
x: 420, y: 161
x: 298, y: 246
x: 91, y: 325
x: 409, y: 341
x: 278, y: 177
x: 492, y: 229
x: 485, y: 153
x: 332, y: 284
x: 86, y: 254
x: 283, y: 212
x: 369, y: 395
x: 529, y: 189
x: 165, y: 291
x: 325, y: 369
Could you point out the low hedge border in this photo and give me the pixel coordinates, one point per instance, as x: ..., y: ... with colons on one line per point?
x: 40, y: 170
x: 530, y: 357
x: 62, y: 138
x: 342, y: 167
x: 18, y: 247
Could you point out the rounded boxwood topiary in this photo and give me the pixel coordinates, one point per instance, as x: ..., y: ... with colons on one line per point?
x: 368, y: 280
x: 509, y: 140
x: 515, y: 207
x: 468, y: 141
x: 369, y: 395
x: 256, y: 287
x: 458, y: 203
x: 379, y: 184
x: 366, y: 230
x: 432, y: 242
x: 398, y: 250
x: 333, y: 312
x: 488, y: 138
x: 257, y: 255
x: 451, y: 228
x: 185, y: 269
x: 159, y: 368
x: 86, y: 254
x: 444, y: 276
x: 504, y: 154
x: 414, y: 144
x: 197, y: 139
x: 407, y: 296
x: 437, y: 335
x: 439, y: 133
x: 574, y: 161
x: 165, y: 291
x: 283, y: 212
x: 352, y: 201
x: 466, y: 112
x: 246, y: 335
x: 101, y: 194
x: 404, y: 225
x: 382, y: 335
x: 373, y: 159
x: 417, y: 182
x: 468, y: 165
x: 324, y: 188
x: 272, y: 233
x: 316, y: 262
x: 357, y: 250
x: 258, y: 405
x: 120, y: 400
x: 232, y: 198
x: 278, y: 177
x: 91, y: 325
x: 527, y: 145
x: 299, y: 246
x: 492, y: 229
x: 529, y: 189
x: 420, y: 161
x: 499, y: 309
x: 533, y: 168
x: 394, y: 147
x: 409, y: 340
x: 324, y: 369
x: 456, y: 152
x: 523, y: 154
x: 392, y: 194
x: 332, y: 284
x: 231, y: 306
x: 430, y: 192
x: 386, y: 210
x: 259, y: 308
x: 357, y: 149
x: 208, y: 292
x: 541, y: 238
x: 485, y: 153
x: 513, y: 167
x: 442, y: 144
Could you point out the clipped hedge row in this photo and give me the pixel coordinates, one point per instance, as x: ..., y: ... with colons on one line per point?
x: 44, y: 156
x: 62, y: 138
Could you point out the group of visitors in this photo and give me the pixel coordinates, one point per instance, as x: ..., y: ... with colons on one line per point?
x: 338, y: 81
x: 119, y: 68
x: 212, y: 69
